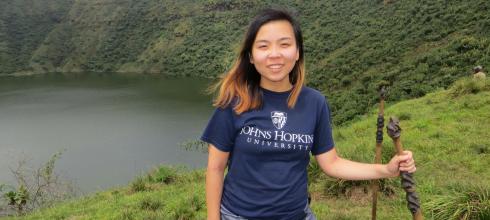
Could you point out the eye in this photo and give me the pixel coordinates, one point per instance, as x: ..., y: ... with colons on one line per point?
x: 285, y: 45
x: 262, y: 46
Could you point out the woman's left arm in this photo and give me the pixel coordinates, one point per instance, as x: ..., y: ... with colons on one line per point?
x: 338, y: 167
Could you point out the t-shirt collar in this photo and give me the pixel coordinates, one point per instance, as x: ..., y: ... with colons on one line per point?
x: 271, y: 93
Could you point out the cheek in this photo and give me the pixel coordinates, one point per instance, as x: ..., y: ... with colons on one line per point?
x: 259, y: 57
x: 290, y: 54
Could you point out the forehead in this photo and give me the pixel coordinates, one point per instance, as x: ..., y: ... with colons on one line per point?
x: 275, y: 30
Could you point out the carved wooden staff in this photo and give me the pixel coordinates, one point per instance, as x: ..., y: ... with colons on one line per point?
x: 408, y: 183
x: 379, y: 142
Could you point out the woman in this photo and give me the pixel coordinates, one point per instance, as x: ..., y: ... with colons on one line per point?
x: 266, y: 124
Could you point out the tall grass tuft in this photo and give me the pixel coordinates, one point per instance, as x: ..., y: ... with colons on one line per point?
x: 471, y: 203
x: 163, y: 174
x: 127, y: 214
x: 139, y: 185
x: 188, y: 207
x: 151, y: 204
x: 466, y: 86
x: 350, y: 188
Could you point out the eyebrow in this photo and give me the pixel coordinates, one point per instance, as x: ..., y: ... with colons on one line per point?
x: 280, y: 39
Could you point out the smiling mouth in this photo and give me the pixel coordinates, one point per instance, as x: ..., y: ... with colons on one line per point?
x: 275, y: 66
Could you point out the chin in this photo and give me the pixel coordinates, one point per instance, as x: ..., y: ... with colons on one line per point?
x: 277, y: 79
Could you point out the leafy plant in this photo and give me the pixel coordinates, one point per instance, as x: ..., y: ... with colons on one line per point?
x: 36, y: 188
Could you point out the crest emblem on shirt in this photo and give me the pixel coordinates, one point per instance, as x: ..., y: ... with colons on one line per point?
x: 279, y: 119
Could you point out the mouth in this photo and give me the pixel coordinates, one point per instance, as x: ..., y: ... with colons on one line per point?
x: 275, y: 66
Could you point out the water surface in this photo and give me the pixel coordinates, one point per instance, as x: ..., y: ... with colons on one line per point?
x: 112, y: 127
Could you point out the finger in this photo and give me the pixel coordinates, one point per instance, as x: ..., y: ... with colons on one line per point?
x: 412, y: 170
x: 408, y: 163
x: 409, y: 169
x: 407, y: 166
x: 404, y: 158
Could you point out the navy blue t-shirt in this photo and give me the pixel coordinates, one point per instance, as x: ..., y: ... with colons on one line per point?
x: 270, y: 151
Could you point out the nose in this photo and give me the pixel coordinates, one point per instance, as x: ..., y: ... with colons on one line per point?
x: 275, y: 52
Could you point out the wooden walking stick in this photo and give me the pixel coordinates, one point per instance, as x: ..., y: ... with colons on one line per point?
x: 379, y: 141
x: 408, y: 183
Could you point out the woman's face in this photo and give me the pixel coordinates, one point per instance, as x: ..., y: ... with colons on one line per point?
x: 274, y: 54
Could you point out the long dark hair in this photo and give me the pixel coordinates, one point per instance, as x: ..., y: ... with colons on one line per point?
x: 243, y: 80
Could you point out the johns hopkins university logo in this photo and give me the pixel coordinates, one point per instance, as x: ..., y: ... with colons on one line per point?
x: 279, y: 119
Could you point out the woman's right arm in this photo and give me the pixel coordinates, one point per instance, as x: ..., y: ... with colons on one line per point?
x: 217, y: 161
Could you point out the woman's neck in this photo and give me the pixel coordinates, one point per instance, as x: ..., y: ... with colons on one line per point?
x: 276, y: 86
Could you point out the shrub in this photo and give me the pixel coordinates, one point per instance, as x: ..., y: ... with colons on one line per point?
x: 36, y: 187
x: 468, y: 86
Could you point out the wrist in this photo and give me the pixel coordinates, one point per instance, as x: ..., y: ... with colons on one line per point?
x: 386, y: 172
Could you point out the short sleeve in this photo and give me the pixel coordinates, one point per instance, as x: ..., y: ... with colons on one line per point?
x: 322, y: 138
x: 220, y: 130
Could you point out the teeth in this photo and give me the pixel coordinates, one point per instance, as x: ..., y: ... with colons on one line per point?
x: 275, y: 66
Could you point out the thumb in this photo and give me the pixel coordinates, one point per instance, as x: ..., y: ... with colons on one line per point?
x: 401, y: 158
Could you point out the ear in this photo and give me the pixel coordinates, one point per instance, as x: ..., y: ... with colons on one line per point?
x: 297, y: 54
x: 250, y: 58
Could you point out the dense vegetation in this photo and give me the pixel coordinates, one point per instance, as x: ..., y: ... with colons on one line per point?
x: 24, y: 26
x: 447, y: 131
x: 352, y: 47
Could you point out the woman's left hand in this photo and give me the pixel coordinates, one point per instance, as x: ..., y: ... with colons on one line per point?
x: 403, y: 162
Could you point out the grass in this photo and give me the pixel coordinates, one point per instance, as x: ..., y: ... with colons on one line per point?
x: 463, y: 203
x: 184, y: 199
x: 448, y: 135
x: 466, y: 86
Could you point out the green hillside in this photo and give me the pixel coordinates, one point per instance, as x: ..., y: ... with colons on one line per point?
x: 24, y: 26
x: 415, y: 46
x: 447, y: 131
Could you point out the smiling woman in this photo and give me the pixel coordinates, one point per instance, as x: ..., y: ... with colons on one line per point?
x: 274, y: 54
x: 265, y: 126
x: 271, y: 57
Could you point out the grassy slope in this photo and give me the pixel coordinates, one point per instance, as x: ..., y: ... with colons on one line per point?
x: 447, y: 134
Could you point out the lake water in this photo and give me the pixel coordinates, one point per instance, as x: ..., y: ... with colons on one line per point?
x: 112, y: 127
